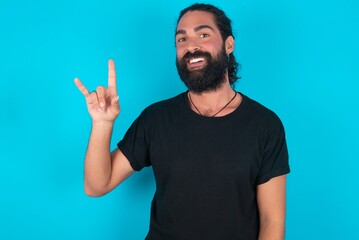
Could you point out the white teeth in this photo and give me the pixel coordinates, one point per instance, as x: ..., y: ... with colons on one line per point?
x: 195, y: 60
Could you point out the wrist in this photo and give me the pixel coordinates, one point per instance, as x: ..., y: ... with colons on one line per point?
x: 102, y: 124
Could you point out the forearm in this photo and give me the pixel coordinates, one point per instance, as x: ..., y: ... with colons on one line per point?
x: 98, y: 159
x: 271, y: 230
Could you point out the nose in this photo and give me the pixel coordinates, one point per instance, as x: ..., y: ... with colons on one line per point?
x: 192, y: 46
x: 192, y: 49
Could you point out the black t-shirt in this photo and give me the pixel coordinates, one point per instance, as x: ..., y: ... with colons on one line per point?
x: 206, y: 169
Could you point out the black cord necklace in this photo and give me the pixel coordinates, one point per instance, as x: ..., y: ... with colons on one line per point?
x: 190, y: 99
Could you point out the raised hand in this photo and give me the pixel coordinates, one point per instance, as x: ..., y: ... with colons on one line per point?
x: 102, y: 104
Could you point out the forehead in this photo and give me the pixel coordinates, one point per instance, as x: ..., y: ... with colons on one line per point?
x: 192, y: 19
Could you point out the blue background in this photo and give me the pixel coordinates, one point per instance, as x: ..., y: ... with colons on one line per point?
x: 300, y: 58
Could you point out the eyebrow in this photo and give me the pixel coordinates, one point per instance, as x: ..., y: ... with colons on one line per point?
x: 196, y: 29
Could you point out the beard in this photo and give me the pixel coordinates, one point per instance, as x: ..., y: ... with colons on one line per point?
x: 210, y: 77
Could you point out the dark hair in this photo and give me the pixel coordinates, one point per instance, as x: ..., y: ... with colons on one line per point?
x: 224, y: 25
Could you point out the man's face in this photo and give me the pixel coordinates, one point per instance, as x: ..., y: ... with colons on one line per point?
x: 201, y: 53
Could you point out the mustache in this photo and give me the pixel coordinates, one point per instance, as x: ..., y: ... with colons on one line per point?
x: 196, y: 54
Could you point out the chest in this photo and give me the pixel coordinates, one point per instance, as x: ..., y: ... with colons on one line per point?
x: 217, y: 154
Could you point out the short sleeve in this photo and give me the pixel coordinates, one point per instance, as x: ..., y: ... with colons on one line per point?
x: 275, y: 155
x: 135, y: 145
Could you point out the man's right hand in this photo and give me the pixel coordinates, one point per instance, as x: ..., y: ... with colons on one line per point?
x: 102, y: 104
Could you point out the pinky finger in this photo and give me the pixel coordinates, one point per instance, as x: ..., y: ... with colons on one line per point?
x: 81, y: 87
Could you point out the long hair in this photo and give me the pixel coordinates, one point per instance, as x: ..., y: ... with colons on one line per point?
x: 224, y: 25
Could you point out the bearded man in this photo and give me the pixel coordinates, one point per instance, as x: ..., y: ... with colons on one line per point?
x: 219, y: 158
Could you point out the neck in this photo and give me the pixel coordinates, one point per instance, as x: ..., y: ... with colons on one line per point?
x: 210, y: 102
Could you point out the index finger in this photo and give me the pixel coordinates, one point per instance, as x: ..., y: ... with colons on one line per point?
x: 111, y: 74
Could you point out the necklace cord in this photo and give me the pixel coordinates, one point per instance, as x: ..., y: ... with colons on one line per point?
x: 190, y: 99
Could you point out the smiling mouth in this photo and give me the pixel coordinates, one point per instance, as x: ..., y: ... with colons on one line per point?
x: 195, y: 60
x: 195, y: 63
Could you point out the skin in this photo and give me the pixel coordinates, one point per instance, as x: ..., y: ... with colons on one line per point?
x: 104, y: 170
x: 272, y: 204
x: 197, y: 31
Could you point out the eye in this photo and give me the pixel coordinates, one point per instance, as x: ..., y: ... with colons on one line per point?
x: 204, y: 35
x: 181, y: 40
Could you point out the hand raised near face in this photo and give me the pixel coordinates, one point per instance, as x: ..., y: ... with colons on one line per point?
x: 102, y: 104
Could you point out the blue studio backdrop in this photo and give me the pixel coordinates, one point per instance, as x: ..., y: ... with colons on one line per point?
x: 299, y: 58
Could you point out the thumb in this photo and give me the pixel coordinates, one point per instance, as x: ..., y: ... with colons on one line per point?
x: 115, y: 100
x: 115, y: 103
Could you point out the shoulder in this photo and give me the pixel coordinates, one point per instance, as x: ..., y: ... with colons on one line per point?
x: 259, y: 113
x: 168, y: 106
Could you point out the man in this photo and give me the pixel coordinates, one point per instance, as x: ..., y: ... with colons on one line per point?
x: 219, y: 158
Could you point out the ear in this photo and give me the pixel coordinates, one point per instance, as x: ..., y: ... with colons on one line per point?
x: 229, y: 45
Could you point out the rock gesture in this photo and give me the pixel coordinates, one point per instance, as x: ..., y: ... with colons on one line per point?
x: 102, y: 104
